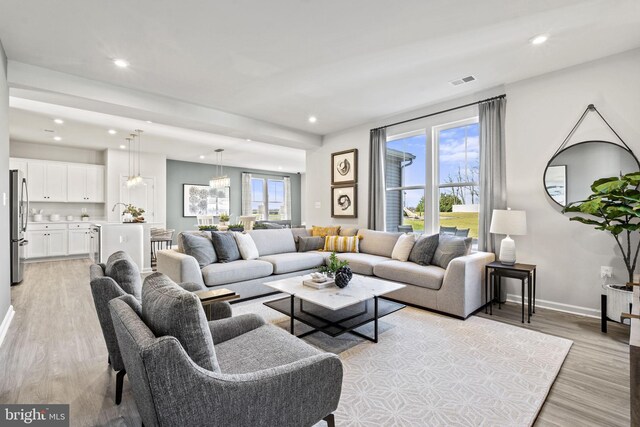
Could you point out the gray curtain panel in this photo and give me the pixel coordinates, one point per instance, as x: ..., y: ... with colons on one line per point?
x: 377, y: 145
x: 493, y: 181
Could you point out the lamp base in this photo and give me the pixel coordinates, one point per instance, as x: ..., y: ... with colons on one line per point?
x: 508, y: 251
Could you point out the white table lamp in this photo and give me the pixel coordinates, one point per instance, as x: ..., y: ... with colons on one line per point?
x: 511, y: 223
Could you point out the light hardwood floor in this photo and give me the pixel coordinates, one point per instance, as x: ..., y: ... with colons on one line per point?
x: 54, y: 353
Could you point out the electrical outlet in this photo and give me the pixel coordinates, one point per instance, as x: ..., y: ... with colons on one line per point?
x: 606, y: 271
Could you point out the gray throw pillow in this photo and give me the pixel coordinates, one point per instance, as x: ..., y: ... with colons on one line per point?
x: 225, y: 246
x: 450, y: 247
x: 310, y: 243
x: 121, y: 268
x: 424, y: 249
x: 170, y: 310
x: 199, y: 247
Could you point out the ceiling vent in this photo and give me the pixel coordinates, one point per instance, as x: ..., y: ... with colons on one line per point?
x: 462, y: 81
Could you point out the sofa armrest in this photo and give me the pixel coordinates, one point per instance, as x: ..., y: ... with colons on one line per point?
x: 179, y: 267
x: 464, y: 279
x: 226, y: 329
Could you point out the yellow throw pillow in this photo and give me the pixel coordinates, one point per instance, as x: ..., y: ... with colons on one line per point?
x: 341, y: 244
x: 325, y: 231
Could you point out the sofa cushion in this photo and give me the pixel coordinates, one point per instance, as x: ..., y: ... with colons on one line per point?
x: 325, y: 231
x: 262, y: 348
x: 235, y: 271
x: 300, y: 232
x: 403, y: 247
x: 271, y: 242
x: 167, y: 309
x: 199, y: 247
x: 180, y: 237
x: 379, y: 243
x: 424, y: 249
x: 121, y: 268
x: 225, y: 246
x: 450, y: 247
x: 296, y: 261
x: 246, y: 246
x: 425, y: 276
x: 310, y: 243
x: 360, y: 263
x: 341, y: 244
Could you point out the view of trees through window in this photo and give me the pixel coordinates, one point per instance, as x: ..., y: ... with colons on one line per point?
x: 408, y: 174
x: 267, y: 192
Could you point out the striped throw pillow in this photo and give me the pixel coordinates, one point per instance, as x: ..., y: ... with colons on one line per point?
x: 341, y: 244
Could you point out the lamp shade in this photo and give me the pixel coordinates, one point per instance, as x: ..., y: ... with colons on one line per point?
x: 509, y: 222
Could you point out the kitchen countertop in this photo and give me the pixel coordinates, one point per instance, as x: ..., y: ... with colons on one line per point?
x: 64, y: 221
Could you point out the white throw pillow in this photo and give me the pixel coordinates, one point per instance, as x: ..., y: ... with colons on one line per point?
x: 246, y: 246
x: 403, y: 247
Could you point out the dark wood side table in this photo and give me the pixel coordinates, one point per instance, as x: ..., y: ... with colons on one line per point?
x: 210, y: 297
x: 495, y: 271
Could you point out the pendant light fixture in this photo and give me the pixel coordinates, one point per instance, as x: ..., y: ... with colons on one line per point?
x: 135, y: 177
x: 220, y: 181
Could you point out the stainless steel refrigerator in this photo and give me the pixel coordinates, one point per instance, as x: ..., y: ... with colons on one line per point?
x: 19, y: 213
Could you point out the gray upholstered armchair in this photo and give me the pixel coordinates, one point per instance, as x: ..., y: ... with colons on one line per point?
x: 232, y: 372
x: 120, y: 276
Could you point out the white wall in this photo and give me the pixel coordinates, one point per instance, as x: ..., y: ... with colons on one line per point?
x: 540, y: 113
x: 30, y: 150
x: 5, y: 272
x: 151, y: 165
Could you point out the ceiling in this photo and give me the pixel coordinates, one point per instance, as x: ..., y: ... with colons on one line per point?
x: 346, y: 62
x: 29, y: 121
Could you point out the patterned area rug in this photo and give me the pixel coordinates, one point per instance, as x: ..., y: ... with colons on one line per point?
x: 433, y: 370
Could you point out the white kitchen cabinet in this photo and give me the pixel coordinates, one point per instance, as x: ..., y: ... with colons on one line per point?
x: 57, y: 243
x: 85, y: 183
x: 18, y: 164
x: 79, y: 241
x: 47, y: 240
x: 47, y: 181
x: 37, y: 246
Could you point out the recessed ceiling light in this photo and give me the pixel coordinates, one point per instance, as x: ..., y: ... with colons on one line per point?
x: 313, y: 119
x: 149, y: 121
x: 202, y: 157
x: 121, y: 63
x: 248, y: 140
x: 57, y: 138
x: 58, y: 121
x: 539, y: 39
x: 112, y: 131
x: 123, y: 147
x: 279, y: 168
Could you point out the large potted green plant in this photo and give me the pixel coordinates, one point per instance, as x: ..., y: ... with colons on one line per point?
x: 614, y: 207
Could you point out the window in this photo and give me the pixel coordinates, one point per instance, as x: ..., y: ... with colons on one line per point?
x: 269, y: 198
x: 431, y: 177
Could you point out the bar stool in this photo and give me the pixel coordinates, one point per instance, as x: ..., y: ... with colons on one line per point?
x: 160, y: 239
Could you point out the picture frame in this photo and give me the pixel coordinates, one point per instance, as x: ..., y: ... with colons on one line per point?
x: 344, y: 167
x: 198, y: 199
x: 344, y: 201
x: 556, y: 183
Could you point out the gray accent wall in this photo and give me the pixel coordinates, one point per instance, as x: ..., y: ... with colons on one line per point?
x: 5, y: 273
x: 179, y: 173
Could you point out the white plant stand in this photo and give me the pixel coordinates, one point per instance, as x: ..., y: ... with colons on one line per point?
x: 614, y: 302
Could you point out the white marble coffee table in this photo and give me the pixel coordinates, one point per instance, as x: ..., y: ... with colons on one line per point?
x: 332, y: 310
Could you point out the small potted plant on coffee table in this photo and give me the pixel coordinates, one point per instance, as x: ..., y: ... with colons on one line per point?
x: 338, y: 270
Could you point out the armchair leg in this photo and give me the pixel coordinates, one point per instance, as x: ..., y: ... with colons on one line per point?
x: 119, y: 381
x: 330, y: 419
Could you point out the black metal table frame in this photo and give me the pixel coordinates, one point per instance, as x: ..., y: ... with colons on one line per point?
x: 498, y: 273
x: 337, y: 323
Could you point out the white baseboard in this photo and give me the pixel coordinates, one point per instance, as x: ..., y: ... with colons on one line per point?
x: 557, y: 306
x: 4, y: 327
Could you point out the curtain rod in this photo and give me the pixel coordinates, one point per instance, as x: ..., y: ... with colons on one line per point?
x: 440, y: 112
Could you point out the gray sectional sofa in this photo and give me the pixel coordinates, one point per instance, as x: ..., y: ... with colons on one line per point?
x: 457, y: 290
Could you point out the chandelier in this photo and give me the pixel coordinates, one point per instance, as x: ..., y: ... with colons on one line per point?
x: 220, y: 181
x: 135, y: 178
